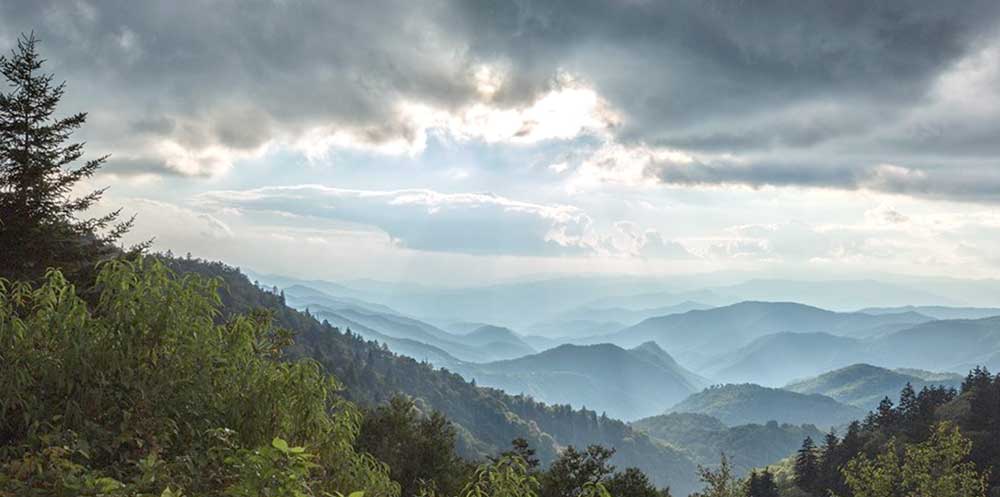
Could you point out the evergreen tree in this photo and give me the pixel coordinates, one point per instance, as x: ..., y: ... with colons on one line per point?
x: 40, y: 227
x: 521, y: 448
x: 762, y: 484
x: 753, y: 484
x: 807, y: 467
x: 885, y: 416
x: 419, y: 450
x: 909, y: 410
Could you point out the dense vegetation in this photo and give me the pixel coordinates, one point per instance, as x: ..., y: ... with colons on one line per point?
x: 936, y: 436
x: 145, y: 391
x: 748, y: 446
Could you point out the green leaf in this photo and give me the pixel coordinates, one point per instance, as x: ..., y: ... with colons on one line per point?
x: 105, y: 484
x: 279, y: 444
x: 359, y: 493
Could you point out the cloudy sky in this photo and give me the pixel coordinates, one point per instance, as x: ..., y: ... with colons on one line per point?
x: 468, y: 141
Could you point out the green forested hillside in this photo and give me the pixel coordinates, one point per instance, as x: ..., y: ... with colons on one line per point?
x: 864, y: 385
x: 747, y: 446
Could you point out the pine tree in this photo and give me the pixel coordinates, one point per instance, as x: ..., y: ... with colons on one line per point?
x: 829, y: 464
x: 908, y: 407
x: 521, y: 448
x: 39, y: 223
x: 762, y: 484
x: 807, y: 467
x: 885, y: 416
x: 753, y: 484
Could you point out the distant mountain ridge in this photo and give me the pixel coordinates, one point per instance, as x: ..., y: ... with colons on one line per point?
x: 952, y: 345
x: 727, y: 328
x: 938, y: 311
x: 772, y: 359
x: 748, y: 403
x: 588, y: 321
x: 864, y: 385
x: 626, y: 384
x: 404, y: 333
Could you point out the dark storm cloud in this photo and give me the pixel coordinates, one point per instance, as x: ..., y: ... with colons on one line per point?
x: 822, y: 81
x: 664, y: 60
x: 237, y: 73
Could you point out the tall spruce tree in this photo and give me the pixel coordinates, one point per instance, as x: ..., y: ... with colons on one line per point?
x: 40, y: 223
x: 807, y: 467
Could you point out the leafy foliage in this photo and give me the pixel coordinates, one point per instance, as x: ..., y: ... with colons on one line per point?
x: 146, y: 391
x: 505, y: 477
x: 719, y: 482
x: 937, y: 468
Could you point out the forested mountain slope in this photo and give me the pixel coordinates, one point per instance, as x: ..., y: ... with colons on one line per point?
x: 749, y: 403
x: 864, y: 385
x: 487, y: 419
x: 749, y: 446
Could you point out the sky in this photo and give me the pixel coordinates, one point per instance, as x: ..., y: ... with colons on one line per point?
x: 464, y: 142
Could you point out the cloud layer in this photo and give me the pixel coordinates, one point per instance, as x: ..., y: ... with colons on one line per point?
x: 474, y: 223
x: 805, y: 93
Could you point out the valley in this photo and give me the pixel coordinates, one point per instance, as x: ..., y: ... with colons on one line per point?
x: 750, y: 379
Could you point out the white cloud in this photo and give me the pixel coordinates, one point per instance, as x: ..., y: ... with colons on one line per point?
x: 478, y: 223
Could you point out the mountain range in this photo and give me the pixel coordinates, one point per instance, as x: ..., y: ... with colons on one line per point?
x: 724, y: 329
x: 485, y: 419
x: 525, y: 384
x: 626, y: 384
